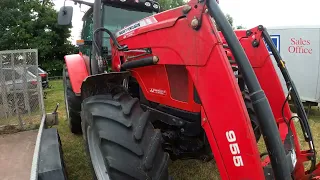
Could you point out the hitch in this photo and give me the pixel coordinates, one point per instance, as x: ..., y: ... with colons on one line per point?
x: 52, y: 118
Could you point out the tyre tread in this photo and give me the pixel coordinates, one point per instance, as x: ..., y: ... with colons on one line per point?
x: 74, y: 103
x: 126, y: 135
x: 141, y: 125
x: 152, y: 150
x: 120, y: 140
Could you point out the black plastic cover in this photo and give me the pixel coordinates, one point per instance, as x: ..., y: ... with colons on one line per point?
x: 51, y: 165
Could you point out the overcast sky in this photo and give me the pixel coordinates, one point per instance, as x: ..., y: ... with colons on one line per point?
x: 248, y: 13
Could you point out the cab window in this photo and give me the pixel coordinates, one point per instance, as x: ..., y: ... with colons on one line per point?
x: 87, y: 33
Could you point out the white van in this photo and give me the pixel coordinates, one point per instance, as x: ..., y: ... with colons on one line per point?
x: 299, y: 48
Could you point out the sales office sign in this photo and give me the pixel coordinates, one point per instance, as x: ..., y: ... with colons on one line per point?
x: 300, y: 45
x: 294, y: 44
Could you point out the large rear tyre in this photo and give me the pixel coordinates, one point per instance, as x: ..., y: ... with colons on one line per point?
x: 120, y: 140
x: 72, y: 103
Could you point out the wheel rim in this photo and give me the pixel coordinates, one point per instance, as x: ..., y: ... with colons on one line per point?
x: 96, y: 156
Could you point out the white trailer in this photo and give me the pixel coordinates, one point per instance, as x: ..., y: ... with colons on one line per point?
x: 299, y: 48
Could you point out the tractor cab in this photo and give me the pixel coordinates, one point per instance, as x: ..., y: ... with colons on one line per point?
x: 112, y: 15
x: 115, y: 15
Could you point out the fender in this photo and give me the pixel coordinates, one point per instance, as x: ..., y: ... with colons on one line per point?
x: 77, y: 69
x: 103, y: 83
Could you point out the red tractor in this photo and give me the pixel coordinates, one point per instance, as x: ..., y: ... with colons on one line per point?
x: 148, y: 87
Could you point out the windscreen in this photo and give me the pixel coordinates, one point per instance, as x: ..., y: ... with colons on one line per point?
x: 115, y: 19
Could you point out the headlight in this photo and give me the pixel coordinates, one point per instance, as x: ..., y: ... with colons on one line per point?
x: 156, y: 6
x: 148, y: 4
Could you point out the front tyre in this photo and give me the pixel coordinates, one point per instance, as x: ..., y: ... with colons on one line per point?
x: 72, y: 103
x: 120, y: 140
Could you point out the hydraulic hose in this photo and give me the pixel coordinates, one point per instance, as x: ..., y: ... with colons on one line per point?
x: 295, y: 96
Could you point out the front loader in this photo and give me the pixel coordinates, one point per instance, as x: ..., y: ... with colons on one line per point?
x: 170, y: 86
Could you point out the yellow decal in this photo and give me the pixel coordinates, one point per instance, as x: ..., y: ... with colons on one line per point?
x: 282, y: 63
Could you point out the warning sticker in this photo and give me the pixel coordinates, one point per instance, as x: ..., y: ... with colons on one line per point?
x: 144, y: 22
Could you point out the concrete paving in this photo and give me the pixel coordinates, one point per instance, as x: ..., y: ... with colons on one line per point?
x: 16, y: 153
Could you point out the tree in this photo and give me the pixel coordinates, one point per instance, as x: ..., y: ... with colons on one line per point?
x: 240, y: 27
x: 169, y: 4
x: 28, y: 24
x: 230, y: 20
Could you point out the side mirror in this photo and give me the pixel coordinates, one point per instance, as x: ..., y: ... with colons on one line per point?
x: 65, y: 15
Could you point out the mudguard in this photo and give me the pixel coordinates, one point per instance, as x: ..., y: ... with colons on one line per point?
x: 78, y: 71
x: 102, y: 83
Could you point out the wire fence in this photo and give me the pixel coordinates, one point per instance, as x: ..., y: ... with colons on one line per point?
x: 21, y: 98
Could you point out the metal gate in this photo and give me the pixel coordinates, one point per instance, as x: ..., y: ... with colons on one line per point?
x: 21, y: 98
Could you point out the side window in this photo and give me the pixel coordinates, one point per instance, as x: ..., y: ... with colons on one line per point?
x: 87, y: 34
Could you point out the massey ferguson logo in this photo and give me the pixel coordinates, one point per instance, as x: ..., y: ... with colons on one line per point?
x: 158, y: 91
x: 128, y: 29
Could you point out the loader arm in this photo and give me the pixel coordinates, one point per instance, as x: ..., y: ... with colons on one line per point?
x: 227, y: 124
x: 186, y: 36
x: 254, y: 42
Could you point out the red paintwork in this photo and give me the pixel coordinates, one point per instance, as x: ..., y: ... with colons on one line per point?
x: 173, y: 40
x: 77, y: 71
x: 210, y: 72
x: 263, y: 67
x: 159, y: 80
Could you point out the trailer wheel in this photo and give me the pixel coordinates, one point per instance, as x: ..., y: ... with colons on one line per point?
x: 252, y: 115
x: 72, y: 103
x: 120, y: 140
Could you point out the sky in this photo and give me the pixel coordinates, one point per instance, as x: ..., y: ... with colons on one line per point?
x: 248, y: 13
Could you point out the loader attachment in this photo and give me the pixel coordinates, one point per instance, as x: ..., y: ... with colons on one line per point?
x: 281, y: 139
x: 260, y: 102
x: 254, y: 41
x: 302, y: 116
x: 224, y: 116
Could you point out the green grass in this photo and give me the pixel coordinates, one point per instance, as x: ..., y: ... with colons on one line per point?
x: 77, y: 162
